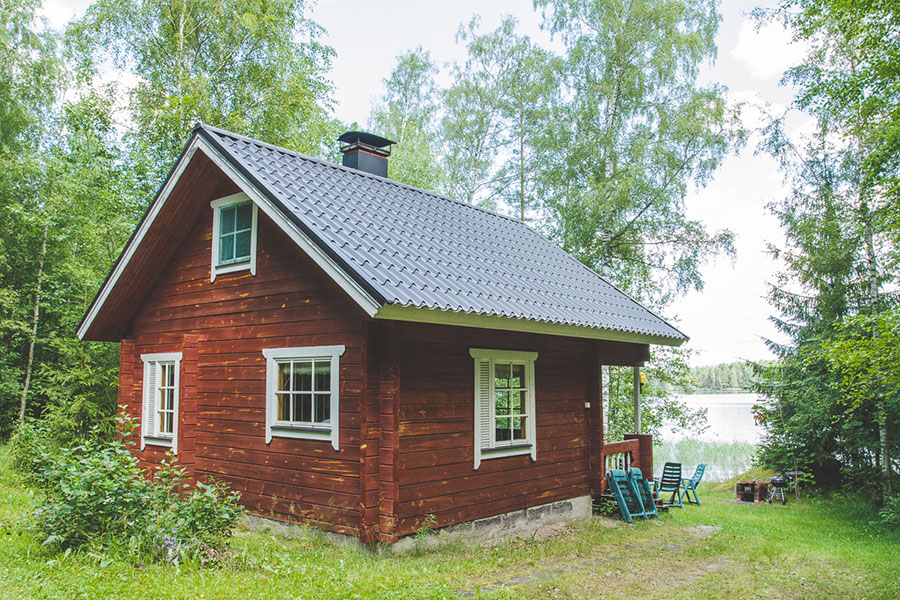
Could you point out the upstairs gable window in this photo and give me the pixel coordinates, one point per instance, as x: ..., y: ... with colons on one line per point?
x: 234, y: 235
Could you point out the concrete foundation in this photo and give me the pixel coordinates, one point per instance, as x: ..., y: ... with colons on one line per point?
x: 516, y: 522
x: 506, y: 524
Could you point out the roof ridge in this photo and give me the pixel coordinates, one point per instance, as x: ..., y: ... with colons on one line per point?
x: 321, y: 161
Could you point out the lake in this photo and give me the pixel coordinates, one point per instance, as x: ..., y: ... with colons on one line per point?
x: 727, y: 447
x: 730, y: 418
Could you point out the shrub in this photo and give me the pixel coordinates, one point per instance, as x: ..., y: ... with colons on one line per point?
x: 890, y: 513
x: 95, y: 494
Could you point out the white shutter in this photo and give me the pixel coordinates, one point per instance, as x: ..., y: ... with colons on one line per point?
x: 150, y: 395
x: 483, y: 403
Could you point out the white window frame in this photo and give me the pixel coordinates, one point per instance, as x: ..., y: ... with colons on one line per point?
x: 217, y: 206
x: 491, y: 448
x: 150, y: 434
x: 276, y: 428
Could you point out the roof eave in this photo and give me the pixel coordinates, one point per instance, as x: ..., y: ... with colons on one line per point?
x: 394, y: 312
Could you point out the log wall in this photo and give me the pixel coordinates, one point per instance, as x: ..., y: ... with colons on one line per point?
x: 436, y: 421
x: 222, y: 328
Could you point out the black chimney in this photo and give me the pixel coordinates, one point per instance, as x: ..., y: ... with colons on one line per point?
x: 366, y: 152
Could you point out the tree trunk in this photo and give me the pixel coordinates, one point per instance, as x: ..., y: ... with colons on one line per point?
x: 34, y: 323
x: 521, y: 164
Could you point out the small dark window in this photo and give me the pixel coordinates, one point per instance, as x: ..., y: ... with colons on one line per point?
x: 235, y: 231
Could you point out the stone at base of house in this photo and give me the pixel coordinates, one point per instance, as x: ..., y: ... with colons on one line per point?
x: 517, y: 522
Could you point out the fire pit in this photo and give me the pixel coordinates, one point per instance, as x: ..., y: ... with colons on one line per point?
x: 752, y: 491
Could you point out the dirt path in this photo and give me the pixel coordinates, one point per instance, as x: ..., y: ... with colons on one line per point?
x: 618, y: 560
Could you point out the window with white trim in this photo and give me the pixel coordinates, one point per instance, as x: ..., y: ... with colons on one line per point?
x: 302, y: 392
x: 234, y: 235
x: 159, y: 415
x: 504, y: 403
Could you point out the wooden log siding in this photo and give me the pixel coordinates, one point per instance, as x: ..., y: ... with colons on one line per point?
x: 222, y: 328
x: 436, y: 416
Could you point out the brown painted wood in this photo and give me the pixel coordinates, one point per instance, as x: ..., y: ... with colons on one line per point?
x: 388, y: 418
x: 221, y: 328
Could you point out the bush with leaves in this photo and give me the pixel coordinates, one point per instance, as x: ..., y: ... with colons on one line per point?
x: 95, y: 495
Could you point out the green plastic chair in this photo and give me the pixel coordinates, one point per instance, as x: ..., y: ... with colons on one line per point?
x: 690, y: 485
x: 643, y: 489
x: 670, y: 483
x: 626, y: 495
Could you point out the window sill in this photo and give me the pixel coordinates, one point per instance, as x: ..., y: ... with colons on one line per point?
x: 301, y: 433
x: 517, y: 450
x: 232, y: 268
x: 510, y: 448
x: 308, y: 428
x: 157, y: 441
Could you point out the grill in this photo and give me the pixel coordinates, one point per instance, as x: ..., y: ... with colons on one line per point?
x: 777, y: 485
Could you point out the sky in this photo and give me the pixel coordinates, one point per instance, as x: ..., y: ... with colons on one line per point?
x: 727, y: 320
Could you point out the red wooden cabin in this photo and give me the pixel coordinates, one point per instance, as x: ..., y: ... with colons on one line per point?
x: 356, y: 354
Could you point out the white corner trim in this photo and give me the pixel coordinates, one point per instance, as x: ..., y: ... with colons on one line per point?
x: 149, y: 360
x: 132, y: 246
x: 331, y: 431
x: 361, y: 296
x: 215, y: 269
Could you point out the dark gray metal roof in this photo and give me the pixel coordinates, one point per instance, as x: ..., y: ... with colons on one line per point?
x: 409, y: 247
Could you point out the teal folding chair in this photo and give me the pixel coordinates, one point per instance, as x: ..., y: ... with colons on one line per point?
x: 644, y: 493
x: 626, y: 495
x: 670, y: 483
x: 690, y: 485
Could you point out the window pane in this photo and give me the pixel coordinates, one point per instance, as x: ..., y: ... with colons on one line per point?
x: 244, y: 216
x: 226, y: 248
x: 501, y: 376
x: 518, y: 376
x: 502, y: 430
x: 303, y: 408
x: 284, y: 407
x: 167, y: 422
x: 284, y: 377
x: 303, y: 376
x: 170, y: 375
x: 323, y: 376
x: 242, y: 244
x: 323, y: 408
x: 501, y: 402
x: 518, y: 428
x: 168, y: 399
x: 226, y: 224
x: 516, y: 402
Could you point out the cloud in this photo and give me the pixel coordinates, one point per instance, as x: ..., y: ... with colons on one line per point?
x: 768, y: 51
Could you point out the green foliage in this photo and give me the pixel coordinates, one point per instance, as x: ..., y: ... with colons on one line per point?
x: 631, y: 131
x: 252, y: 66
x: 94, y: 495
x: 494, y: 109
x: 890, y: 512
x: 667, y: 371
x: 406, y: 114
x: 827, y: 410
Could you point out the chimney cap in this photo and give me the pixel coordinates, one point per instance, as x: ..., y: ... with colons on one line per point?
x: 365, y: 138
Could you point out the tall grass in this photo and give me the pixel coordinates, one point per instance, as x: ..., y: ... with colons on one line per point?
x: 723, y: 460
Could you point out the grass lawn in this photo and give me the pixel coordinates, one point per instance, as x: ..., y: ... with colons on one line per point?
x: 809, y: 549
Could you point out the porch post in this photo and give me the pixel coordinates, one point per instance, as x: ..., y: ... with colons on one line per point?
x: 637, y: 399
